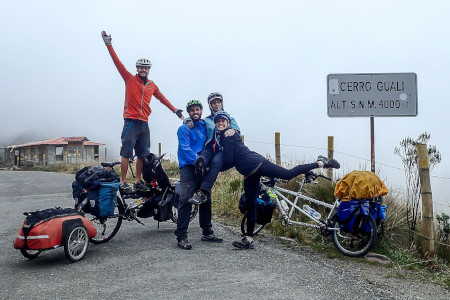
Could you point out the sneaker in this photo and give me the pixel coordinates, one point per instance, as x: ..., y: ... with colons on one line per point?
x: 198, y: 198
x: 200, y: 165
x: 212, y: 238
x: 245, y: 243
x: 140, y: 187
x: 184, y: 244
x: 125, y: 187
x: 329, y: 162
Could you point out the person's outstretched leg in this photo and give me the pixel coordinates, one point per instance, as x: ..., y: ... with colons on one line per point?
x: 272, y: 170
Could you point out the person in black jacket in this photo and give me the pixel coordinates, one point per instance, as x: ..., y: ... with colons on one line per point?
x: 253, y: 165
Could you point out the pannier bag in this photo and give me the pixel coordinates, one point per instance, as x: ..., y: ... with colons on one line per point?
x: 350, y: 216
x: 162, y: 205
x: 265, y: 206
x: 46, y: 229
x: 103, y: 200
x: 91, y: 178
x: 378, y: 212
x: 147, y: 209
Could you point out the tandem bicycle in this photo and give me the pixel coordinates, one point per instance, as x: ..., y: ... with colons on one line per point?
x: 353, y: 242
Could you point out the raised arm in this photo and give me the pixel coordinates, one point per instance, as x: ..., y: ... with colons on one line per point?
x: 120, y: 67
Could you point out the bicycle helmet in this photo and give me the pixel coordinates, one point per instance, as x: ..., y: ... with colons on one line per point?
x: 222, y: 115
x: 143, y: 62
x: 215, y: 95
x: 193, y: 102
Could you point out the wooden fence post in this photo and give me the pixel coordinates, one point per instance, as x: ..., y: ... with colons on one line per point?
x: 427, y: 227
x: 277, y: 149
x: 159, y: 149
x: 330, y: 154
x: 44, y: 161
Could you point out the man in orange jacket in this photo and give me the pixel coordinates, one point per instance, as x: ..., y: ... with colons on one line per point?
x: 136, y: 133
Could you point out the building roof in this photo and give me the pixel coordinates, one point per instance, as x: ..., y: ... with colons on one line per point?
x: 59, y: 141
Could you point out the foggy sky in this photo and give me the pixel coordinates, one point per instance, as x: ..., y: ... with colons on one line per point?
x: 268, y: 59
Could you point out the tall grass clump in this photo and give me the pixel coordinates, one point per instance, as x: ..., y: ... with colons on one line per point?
x: 226, y: 194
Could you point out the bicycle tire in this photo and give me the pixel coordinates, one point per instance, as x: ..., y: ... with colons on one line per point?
x: 76, y: 243
x: 107, y: 227
x: 174, y: 216
x: 258, y: 227
x: 355, y: 244
x: 30, y: 254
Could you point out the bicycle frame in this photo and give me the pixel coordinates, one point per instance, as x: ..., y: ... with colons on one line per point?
x: 286, y: 216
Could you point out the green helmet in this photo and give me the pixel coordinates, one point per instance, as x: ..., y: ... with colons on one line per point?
x: 193, y: 102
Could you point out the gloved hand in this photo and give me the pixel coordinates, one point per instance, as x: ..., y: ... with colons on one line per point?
x: 230, y: 132
x: 190, y: 124
x: 106, y: 38
x: 179, y: 114
x: 200, y: 168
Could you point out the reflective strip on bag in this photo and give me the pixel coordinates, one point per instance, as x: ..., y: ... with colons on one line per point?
x: 33, y: 237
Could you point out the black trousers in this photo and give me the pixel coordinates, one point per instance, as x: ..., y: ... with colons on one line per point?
x: 189, y: 183
x: 251, y: 185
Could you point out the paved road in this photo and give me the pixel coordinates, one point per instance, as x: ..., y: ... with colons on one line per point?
x: 144, y: 262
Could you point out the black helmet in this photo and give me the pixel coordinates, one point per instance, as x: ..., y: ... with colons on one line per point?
x: 222, y: 115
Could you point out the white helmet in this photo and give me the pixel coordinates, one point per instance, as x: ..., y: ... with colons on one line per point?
x: 143, y: 62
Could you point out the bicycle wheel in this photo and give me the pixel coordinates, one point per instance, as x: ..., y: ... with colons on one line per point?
x: 355, y: 244
x: 258, y: 227
x: 77, y: 242
x: 30, y: 253
x: 107, y: 227
x: 174, y: 216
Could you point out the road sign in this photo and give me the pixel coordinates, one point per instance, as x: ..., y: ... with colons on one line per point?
x: 372, y: 95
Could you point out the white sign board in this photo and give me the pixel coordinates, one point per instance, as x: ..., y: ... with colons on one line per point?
x: 362, y: 95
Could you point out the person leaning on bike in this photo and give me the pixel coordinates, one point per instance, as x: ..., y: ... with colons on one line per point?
x: 136, y: 133
x: 190, y: 143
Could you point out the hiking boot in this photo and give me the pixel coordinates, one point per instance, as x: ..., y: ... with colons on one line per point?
x: 198, y: 198
x: 212, y: 238
x: 245, y: 243
x: 200, y: 166
x: 328, y: 162
x: 140, y: 187
x: 184, y: 244
x: 125, y: 187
